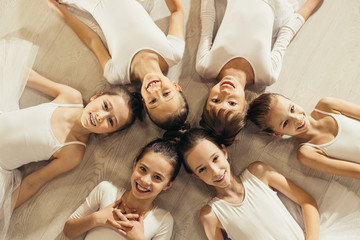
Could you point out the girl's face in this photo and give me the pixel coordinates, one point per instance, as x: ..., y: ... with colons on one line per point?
x: 209, y: 163
x: 105, y: 114
x: 228, y: 94
x: 151, y: 175
x: 161, y: 97
x: 286, y: 117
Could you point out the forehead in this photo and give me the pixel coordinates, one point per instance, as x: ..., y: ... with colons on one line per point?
x: 166, y: 109
x: 156, y: 162
x: 279, y: 109
x: 200, y: 153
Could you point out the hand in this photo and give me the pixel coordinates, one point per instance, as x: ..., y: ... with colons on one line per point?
x: 136, y: 231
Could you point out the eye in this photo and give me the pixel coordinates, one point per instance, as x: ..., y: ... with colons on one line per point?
x: 111, y: 122
x: 201, y: 170
x: 215, y: 100
x: 153, y: 101
x: 106, y: 107
x: 166, y: 93
x: 285, y: 123
x: 232, y: 103
x: 215, y: 158
x: 157, y: 177
x: 143, y: 169
x: 292, y: 108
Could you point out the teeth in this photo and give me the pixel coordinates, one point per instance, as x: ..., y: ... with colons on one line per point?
x: 221, y: 178
x: 141, y: 189
x: 92, y: 120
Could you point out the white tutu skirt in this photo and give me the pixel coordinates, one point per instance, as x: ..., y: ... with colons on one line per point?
x: 16, y: 59
x: 339, y: 209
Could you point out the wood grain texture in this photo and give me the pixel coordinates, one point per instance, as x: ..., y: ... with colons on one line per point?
x: 323, y: 60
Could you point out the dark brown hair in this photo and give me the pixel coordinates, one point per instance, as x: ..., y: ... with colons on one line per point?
x: 259, y: 110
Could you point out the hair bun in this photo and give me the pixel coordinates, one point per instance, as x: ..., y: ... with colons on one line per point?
x: 174, y: 136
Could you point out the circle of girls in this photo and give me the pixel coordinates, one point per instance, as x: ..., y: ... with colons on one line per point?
x: 245, y: 51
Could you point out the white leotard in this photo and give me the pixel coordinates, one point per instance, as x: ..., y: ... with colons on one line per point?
x: 128, y: 29
x: 158, y: 223
x: 26, y: 135
x: 245, y: 32
x: 346, y: 144
x: 260, y: 216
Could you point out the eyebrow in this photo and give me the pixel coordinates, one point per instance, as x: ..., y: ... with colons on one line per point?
x: 154, y: 172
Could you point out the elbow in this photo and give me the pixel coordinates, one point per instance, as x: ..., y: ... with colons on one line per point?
x: 66, y: 230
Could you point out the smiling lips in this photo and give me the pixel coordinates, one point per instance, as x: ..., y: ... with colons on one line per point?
x: 151, y: 83
x: 302, y: 124
x: 92, y: 120
x: 220, y: 178
x: 141, y: 189
x: 229, y: 83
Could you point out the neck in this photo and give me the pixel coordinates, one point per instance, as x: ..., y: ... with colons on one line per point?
x: 235, y: 188
x: 141, y: 205
x: 240, y: 69
x: 312, y: 131
x: 143, y: 64
x: 77, y: 128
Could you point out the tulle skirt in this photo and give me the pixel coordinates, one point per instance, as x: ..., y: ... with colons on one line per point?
x: 339, y: 209
x: 16, y: 59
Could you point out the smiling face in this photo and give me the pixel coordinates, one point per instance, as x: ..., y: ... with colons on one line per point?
x: 286, y: 117
x: 209, y: 163
x: 161, y: 97
x: 151, y: 175
x: 228, y: 94
x: 105, y: 114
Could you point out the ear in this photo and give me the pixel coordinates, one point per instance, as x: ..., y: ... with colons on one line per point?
x: 168, y: 186
x: 275, y: 134
x: 224, y: 150
x: 177, y: 86
x: 96, y: 95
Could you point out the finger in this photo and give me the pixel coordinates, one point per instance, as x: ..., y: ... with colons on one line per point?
x: 122, y: 232
x: 127, y: 210
x: 124, y: 225
x: 131, y: 215
x: 120, y: 215
x: 117, y: 203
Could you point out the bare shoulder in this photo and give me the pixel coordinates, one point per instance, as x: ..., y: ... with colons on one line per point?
x: 259, y: 169
x: 328, y: 104
x: 207, y: 216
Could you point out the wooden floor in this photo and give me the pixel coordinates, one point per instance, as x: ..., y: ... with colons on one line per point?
x: 323, y: 60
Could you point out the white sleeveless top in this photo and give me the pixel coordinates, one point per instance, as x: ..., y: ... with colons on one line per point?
x: 128, y: 29
x: 26, y: 135
x: 260, y: 216
x: 346, y: 144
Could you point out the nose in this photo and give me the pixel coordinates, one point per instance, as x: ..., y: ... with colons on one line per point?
x: 146, y: 179
x: 214, y: 169
x: 100, y: 116
x: 225, y: 91
x: 154, y: 87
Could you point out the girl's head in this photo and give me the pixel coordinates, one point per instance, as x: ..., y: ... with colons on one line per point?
x: 112, y: 110
x: 155, y: 168
x: 225, y: 109
x: 204, y: 156
x: 164, y: 101
x: 277, y: 115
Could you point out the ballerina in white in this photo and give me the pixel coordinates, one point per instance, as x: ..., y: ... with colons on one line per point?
x: 55, y: 131
x: 248, y: 207
x: 329, y: 136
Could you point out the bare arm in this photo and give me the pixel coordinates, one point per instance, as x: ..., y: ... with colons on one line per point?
x: 69, y: 157
x: 60, y: 92
x: 176, y: 27
x: 316, y: 159
x: 308, y: 8
x: 210, y: 223
x: 308, y: 204
x: 339, y: 106
x: 90, y: 38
